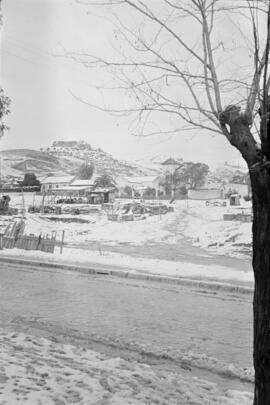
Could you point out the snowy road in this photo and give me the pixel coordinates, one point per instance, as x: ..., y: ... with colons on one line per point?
x: 201, y: 329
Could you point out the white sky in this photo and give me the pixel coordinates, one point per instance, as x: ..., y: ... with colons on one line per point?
x: 40, y: 83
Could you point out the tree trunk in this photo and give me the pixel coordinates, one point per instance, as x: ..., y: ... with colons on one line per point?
x: 260, y: 182
x: 241, y: 137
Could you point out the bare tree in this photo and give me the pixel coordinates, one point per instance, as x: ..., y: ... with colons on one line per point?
x: 4, y: 100
x: 199, y: 81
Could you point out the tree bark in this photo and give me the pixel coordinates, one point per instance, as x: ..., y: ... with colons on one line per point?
x: 241, y: 138
x: 260, y: 182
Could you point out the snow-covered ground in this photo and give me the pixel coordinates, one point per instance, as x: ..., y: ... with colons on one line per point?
x: 95, y: 238
x: 203, y: 225
x: 206, y: 227
x: 37, y: 370
x: 41, y: 371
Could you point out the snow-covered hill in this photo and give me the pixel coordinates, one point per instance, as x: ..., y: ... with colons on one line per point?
x: 63, y: 158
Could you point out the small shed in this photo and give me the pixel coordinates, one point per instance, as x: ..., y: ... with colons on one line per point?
x: 100, y: 195
x: 234, y: 199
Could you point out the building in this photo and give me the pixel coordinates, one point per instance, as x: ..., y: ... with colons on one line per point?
x: 169, y: 169
x: 77, y: 188
x: 170, y: 165
x: 83, y: 183
x: 214, y: 191
x: 53, y: 183
x: 242, y: 189
x: 139, y: 184
x: 100, y: 195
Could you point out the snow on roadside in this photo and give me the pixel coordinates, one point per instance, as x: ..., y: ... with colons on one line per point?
x: 42, y: 371
x: 135, y: 264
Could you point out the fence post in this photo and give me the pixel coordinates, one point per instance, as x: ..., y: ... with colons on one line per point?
x: 62, y: 242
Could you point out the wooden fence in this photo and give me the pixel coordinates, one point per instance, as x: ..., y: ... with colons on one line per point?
x: 15, y: 238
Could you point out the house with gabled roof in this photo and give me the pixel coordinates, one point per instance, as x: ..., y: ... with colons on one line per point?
x: 53, y: 183
x: 139, y: 184
x: 170, y: 165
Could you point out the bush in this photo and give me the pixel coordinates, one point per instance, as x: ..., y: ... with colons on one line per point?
x: 86, y: 171
x: 149, y: 192
x: 127, y: 191
x: 30, y: 180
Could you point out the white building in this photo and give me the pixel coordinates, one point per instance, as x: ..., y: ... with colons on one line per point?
x: 82, y: 183
x: 140, y: 183
x: 240, y: 188
x: 170, y: 165
x: 206, y: 194
x: 210, y: 191
x: 53, y: 183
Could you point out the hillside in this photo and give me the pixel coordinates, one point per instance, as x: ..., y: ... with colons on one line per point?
x: 16, y: 162
x: 65, y: 157
x: 226, y: 172
x: 103, y: 161
x: 61, y: 159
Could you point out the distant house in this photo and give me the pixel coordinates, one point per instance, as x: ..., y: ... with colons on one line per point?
x: 140, y: 183
x: 100, y: 195
x: 170, y: 165
x: 240, y: 188
x: 212, y: 191
x: 82, y: 183
x: 64, y: 144
x: 52, y: 183
x: 169, y: 168
x: 76, y: 188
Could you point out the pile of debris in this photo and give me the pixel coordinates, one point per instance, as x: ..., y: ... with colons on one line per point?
x: 75, y: 209
x: 243, y: 216
x: 134, y: 211
x: 5, y: 208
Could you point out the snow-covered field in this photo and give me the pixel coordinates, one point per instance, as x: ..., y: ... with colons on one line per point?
x: 41, y: 371
x: 206, y: 227
x: 96, y: 240
x: 203, y: 225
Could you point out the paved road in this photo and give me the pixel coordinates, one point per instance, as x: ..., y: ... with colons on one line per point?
x: 129, y: 312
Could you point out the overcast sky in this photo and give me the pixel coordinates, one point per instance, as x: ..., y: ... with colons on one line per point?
x: 40, y: 84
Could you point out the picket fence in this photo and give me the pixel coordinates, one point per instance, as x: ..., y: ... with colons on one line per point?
x: 14, y: 237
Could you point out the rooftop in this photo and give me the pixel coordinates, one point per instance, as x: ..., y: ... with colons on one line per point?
x: 170, y: 161
x: 57, y: 179
x: 142, y: 179
x: 82, y: 183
